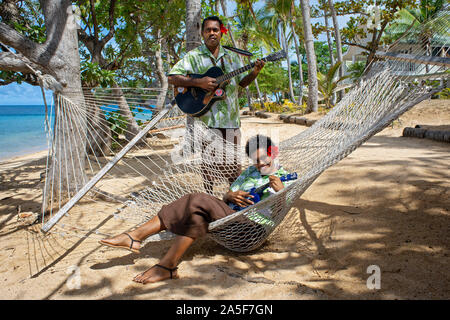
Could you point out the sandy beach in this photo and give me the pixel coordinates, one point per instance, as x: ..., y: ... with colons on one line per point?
x: 385, y: 205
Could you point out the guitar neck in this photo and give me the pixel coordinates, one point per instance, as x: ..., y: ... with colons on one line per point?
x: 287, y: 177
x: 262, y: 188
x: 236, y: 72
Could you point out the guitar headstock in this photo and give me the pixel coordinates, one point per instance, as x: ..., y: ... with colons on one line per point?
x: 276, y: 56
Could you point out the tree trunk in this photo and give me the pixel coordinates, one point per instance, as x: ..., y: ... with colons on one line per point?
x: 258, y: 92
x: 217, y: 6
x: 423, y: 133
x: 428, y: 53
x: 164, y: 84
x: 62, y: 41
x: 193, y: 40
x: 132, y: 126
x: 330, y: 48
x: 300, y: 71
x: 285, y: 47
x: 99, y: 132
x: 311, y: 57
x: 193, y: 24
x: 330, y: 44
x: 247, y: 90
x: 299, y: 57
x: 338, y: 41
x: 374, y: 45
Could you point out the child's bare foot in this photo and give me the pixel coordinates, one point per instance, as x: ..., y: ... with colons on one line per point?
x: 155, y: 274
x: 123, y: 241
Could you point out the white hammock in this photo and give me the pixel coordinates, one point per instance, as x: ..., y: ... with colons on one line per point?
x: 91, y: 168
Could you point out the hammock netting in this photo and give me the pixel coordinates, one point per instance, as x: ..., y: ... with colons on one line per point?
x: 131, y: 166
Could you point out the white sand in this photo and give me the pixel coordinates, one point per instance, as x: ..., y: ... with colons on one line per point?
x: 387, y: 204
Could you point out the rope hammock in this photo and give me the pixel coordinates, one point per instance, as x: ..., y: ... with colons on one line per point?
x: 131, y: 166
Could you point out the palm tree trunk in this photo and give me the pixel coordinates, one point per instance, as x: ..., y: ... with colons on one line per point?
x: 258, y: 92
x: 310, y: 56
x: 247, y: 90
x: 330, y: 44
x: 193, y: 20
x: 299, y: 57
x: 300, y: 71
x: 330, y: 49
x: 217, y: 6
x: 337, y: 37
x: 282, y: 28
x: 428, y: 53
x: 193, y: 40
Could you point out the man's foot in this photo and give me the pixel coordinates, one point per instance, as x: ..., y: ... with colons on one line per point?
x: 123, y: 241
x: 156, y: 273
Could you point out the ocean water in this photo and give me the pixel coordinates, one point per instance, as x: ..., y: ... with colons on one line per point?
x: 22, y: 130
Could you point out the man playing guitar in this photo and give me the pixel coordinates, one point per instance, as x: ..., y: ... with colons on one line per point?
x: 223, y: 116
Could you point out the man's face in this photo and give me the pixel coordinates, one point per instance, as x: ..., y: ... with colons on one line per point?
x: 211, y: 33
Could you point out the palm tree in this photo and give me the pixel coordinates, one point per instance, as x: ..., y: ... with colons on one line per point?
x: 330, y: 44
x: 193, y: 40
x: 295, y: 15
x: 247, y: 34
x: 408, y: 18
x: 276, y: 18
x: 337, y: 39
x: 233, y: 41
x: 324, y: 5
x: 328, y: 84
x: 310, y: 56
x: 420, y: 21
x: 193, y: 16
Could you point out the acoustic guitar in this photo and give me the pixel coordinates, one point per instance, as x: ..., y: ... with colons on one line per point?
x: 196, y: 101
x: 257, y: 192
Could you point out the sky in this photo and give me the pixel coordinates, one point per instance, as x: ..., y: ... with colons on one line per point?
x: 25, y: 94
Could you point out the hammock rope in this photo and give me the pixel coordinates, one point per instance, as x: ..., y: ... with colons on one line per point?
x: 92, y: 160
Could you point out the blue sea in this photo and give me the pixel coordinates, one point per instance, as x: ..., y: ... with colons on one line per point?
x: 22, y: 129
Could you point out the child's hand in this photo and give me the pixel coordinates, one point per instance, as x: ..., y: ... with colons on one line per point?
x: 239, y: 197
x: 275, y: 183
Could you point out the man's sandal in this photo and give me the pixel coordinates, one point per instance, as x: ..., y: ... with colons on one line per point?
x: 130, y: 248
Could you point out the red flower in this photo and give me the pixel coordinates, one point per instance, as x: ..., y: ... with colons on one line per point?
x: 273, y: 152
x: 223, y: 29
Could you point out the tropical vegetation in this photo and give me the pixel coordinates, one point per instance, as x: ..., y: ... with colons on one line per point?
x: 132, y: 43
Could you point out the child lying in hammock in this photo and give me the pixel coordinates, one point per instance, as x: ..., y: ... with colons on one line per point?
x: 189, y: 216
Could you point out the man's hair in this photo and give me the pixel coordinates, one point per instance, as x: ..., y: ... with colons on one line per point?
x: 257, y: 142
x: 212, y: 18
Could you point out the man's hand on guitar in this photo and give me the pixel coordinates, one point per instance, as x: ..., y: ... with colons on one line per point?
x: 206, y: 83
x: 238, y: 197
x: 259, y: 64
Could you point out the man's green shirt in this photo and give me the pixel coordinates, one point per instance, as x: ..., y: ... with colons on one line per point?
x: 224, y: 113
